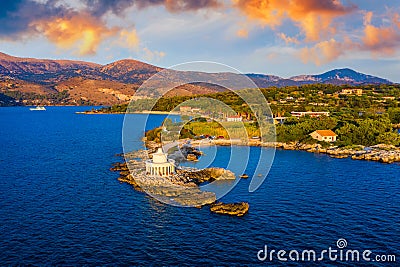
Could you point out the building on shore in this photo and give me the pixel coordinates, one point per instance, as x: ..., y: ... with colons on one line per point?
x: 324, y: 135
x: 312, y: 114
x: 160, y: 165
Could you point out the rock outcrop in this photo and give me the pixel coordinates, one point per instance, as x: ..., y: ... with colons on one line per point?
x: 206, y: 175
x: 233, y: 209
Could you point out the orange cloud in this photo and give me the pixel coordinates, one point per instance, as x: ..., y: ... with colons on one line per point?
x: 368, y: 17
x: 384, y: 39
x: 378, y: 40
x: 81, y: 33
x: 313, y: 17
x: 242, y: 33
x: 288, y: 39
x: 323, y: 52
x: 128, y: 39
x: 396, y: 20
x: 267, y: 12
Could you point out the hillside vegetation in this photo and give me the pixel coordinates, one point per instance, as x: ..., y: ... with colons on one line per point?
x: 367, y: 119
x: 36, y: 81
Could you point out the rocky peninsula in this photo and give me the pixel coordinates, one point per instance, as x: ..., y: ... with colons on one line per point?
x: 181, y: 188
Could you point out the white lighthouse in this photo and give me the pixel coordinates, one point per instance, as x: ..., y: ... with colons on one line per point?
x: 160, y: 165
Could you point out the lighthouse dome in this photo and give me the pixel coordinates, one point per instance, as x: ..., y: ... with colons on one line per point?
x: 160, y: 156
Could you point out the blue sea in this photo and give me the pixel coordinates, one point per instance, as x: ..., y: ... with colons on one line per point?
x: 60, y: 204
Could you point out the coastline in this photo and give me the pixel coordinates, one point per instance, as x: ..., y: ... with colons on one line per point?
x: 380, y: 153
x: 90, y: 112
x: 135, y: 112
x: 98, y: 113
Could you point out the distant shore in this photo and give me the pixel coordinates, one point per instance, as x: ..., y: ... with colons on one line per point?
x: 381, y: 153
x: 136, y: 112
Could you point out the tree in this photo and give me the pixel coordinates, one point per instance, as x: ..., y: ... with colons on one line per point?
x: 394, y: 115
x: 389, y: 138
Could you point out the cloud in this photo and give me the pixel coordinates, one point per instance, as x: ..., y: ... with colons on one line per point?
x: 323, y: 52
x: 128, y: 39
x: 368, y: 17
x: 242, y: 33
x: 328, y: 38
x: 81, y: 33
x: 313, y: 17
x: 79, y: 27
x: 190, y: 5
x: 152, y: 55
x: 272, y: 56
x: 396, y: 20
x: 16, y: 16
x: 381, y: 40
x: 99, y: 8
x: 288, y: 39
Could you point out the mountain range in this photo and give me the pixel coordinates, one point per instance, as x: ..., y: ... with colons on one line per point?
x: 79, y: 82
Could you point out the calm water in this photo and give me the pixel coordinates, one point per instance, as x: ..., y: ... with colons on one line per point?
x: 60, y: 205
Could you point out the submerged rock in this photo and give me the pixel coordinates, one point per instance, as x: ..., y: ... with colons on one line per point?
x: 233, y: 209
x: 119, y: 166
x: 129, y: 180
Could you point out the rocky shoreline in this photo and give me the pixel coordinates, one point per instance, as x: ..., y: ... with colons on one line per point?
x: 379, y: 153
x: 181, y: 189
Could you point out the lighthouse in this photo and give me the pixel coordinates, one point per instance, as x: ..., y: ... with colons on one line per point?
x: 160, y: 165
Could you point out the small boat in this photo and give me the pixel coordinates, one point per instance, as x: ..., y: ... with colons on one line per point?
x: 38, y: 108
x: 244, y: 176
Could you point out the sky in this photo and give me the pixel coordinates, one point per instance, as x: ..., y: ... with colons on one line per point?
x: 278, y: 37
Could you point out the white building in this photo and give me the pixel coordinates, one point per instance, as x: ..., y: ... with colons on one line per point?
x: 194, y: 110
x: 160, y: 165
x: 234, y: 118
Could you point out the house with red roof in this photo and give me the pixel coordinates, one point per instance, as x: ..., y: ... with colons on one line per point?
x: 324, y: 135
